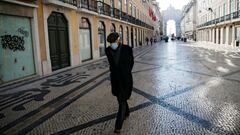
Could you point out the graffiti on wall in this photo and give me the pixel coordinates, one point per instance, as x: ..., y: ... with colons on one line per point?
x: 14, y: 42
x: 23, y: 32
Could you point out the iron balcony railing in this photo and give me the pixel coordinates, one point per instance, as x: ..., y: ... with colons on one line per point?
x: 117, y: 13
x: 88, y: 4
x: 125, y: 16
x: 227, y: 17
x: 71, y: 2
x: 235, y: 15
x: 104, y: 8
x: 222, y: 18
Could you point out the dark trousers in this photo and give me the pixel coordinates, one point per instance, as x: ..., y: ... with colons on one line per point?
x: 123, y: 111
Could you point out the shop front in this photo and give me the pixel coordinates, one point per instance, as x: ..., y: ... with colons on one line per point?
x: 17, y: 58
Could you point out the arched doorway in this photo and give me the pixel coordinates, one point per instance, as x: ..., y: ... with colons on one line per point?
x: 121, y: 32
x: 132, y: 41
x: 58, y: 41
x: 101, y: 38
x: 113, y: 28
x: 85, y: 40
x: 127, y: 35
x: 139, y: 39
x: 136, y: 37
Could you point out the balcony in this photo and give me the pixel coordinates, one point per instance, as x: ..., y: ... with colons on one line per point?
x: 104, y: 8
x: 235, y: 15
x: 98, y: 7
x: 217, y: 20
x: 88, y: 4
x: 222, y: 18
x: 228, y: 17
x: 124, y: 16
x: 63, y: 3
x: 71, y: 2
x: 117, y: 14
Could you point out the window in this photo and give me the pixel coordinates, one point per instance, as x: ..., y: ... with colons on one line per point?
x: 130, y: 5
x: 224, y: 9
x: 232, y: 6
x: 85, y: 39
x: 112, y: 7
x: 121, y: 33
x: 127, y: 35
x: 100, y: 6
x: 101, y: 38
x: 113, y: 28
x: 84, y: 23
x: 126, y: 6
x: 120, y: 5
x: 135, y: 14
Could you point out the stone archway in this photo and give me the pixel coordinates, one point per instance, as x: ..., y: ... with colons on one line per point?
x: 172, y: 14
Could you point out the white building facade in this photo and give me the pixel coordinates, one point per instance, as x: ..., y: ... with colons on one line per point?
x: 189, y: 20
x: 157, y: 28
x: 219, y: 22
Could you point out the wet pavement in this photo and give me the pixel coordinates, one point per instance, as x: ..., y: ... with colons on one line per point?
x: 179, y: 88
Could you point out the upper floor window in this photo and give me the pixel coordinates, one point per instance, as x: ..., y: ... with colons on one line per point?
x: 131, y: 10
x: 231, y: 6
x: 126, y: 5
x: 120, y: 5
x: 112, y: 3
x: 224, y: 9
x: 135, y: 12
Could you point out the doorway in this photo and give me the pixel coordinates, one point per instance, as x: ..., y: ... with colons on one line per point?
x: 58, y: 41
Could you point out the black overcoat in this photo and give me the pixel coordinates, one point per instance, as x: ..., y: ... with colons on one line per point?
x: 121, y: 75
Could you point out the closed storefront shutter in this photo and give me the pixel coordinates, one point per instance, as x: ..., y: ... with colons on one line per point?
x: 16, y: 48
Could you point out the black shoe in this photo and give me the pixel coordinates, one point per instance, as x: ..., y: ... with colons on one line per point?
x: 117, y: 131
x: 126, y: 116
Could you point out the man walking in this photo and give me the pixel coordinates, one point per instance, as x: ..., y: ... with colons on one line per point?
x: 151, y: 40
x: 147, y: 40
x: 120, y: 58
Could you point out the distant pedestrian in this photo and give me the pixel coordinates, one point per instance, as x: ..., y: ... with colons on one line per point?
x: 155, y: 40
x: 151, y: 40
x: 120, y: 58
x: 147, y: 40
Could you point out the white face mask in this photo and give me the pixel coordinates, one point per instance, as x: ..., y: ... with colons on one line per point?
x: 114, y: 46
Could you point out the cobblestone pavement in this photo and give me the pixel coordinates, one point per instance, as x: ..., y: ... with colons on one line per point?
x: 178, y: 89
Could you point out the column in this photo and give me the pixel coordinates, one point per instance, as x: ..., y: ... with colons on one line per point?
x: 227, y: 36
x: 222, y: 37
x: 217, y: 35
x: 204, y: 35
x: 233, y: 36
x: 213, y: 35
x: 210, y: 35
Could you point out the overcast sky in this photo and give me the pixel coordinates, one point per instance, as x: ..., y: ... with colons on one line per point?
x: 178, y: 4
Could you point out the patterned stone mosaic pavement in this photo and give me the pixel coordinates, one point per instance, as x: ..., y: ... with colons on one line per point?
x: 178, y: 89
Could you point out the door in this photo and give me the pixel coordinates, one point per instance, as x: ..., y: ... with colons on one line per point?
x: 132, y: 41
x: 136, y: 43
x: 58, y: 41
x: 85, y: 40
x: 101, y: 38
x: 16, y: 48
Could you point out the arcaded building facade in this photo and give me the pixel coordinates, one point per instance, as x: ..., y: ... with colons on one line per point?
x: 218, y: 22
x: 54, y: 35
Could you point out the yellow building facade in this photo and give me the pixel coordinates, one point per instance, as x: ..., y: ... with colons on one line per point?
x: 72, y: 32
